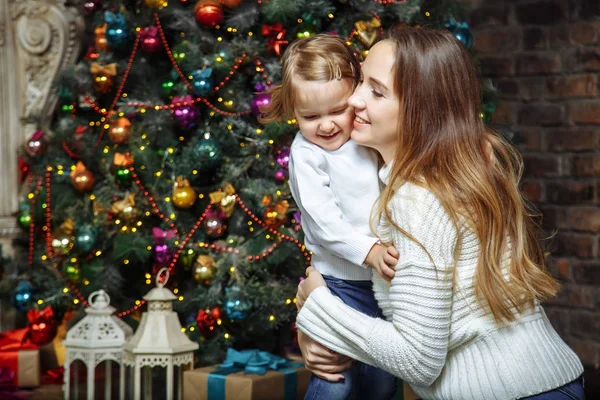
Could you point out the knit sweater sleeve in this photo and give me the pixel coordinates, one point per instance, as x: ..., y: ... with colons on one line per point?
x: 414, y: 344
x: 322, y: 219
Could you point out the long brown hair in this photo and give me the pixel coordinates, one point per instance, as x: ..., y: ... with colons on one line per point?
x: 318, y: 58
x: 442, y: 143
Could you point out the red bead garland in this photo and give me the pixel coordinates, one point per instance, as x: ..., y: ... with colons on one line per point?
x: 49, y: 240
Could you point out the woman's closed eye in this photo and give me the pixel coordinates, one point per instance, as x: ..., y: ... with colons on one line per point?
x: 376, y: 93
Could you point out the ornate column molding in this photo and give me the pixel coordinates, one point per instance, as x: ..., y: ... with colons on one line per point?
x: 37, y: 39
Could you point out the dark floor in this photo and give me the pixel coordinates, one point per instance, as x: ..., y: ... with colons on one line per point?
x: 591, y: 376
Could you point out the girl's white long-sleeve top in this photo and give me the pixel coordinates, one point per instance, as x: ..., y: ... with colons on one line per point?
x: 335, y: 191
x: 437, y: 337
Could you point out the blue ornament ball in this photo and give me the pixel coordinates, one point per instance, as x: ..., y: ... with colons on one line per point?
x: 461, y: 31
x: 117, y: 30
x: 235, y: 307
x: 86, y: 237
x: 22, y: 297
x: 207, y: 153
x: 201, y: 81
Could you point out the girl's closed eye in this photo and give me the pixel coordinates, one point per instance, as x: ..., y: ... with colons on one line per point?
x: 309, y: 117
x: 339, y: 111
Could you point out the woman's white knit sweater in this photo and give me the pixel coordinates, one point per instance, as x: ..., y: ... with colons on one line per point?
x: 437, y: 338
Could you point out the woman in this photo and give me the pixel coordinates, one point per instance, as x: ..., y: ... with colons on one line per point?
x: 463, y: 314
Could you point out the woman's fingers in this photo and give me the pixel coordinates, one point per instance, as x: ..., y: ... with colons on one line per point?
x: 309, y: 270
x: 327, y: 376
x: 299, y: 298
x: 390, y: 261
x: 393, y: 252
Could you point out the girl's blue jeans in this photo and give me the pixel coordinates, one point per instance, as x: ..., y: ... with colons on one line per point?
x: 361, y: 381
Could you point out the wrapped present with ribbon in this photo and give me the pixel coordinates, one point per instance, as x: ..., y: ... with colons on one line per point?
x: 225, y: 199
x: 19, y: 359
x: 247, y: 375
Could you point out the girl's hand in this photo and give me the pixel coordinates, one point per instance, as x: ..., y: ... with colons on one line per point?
x: 324, y: 363
x: 313, y: 280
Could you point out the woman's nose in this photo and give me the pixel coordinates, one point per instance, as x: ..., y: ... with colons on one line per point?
x: 356, y: 101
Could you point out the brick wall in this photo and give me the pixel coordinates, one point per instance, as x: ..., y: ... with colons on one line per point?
x: 544, y: 56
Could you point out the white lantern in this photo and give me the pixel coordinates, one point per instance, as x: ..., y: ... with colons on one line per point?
x: 158, y: 342
x: 98, y: 337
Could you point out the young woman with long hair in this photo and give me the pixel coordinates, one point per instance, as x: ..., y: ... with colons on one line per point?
x: 463, y: 311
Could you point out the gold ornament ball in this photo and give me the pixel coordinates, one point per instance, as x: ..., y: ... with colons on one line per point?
x: 129, y: 213
x: 154, y: 3
x: 184, y: 197
x: 83, y: 181
x: 204, y: 269
x: 103, y: 83
x: 272, y: 218
x: 62, y: 243
x: 100, y: 38
x: 101, y: 43
x: 120, y: 130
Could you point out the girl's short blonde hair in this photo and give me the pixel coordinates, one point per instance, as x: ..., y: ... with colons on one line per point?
x: 320, y: 58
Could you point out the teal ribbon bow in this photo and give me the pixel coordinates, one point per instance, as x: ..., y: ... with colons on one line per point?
x: 253, y: 362
x: 110, y: 17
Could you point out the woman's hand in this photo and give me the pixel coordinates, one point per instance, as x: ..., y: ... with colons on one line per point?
x: 313, y: 280
x: 324, y: 363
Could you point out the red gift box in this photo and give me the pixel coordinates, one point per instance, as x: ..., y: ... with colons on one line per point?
x: 19, y: 356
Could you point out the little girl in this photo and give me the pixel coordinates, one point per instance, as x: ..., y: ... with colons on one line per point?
x: 335, y: 183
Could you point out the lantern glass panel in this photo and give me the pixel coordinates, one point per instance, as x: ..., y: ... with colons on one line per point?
x: 78, y: 380
x: 106, y: 386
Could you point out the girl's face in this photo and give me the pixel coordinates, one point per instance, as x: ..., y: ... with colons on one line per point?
x: 375, y: 103
x: 323, y: 114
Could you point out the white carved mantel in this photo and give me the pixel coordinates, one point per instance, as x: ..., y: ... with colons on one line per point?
x: 37, y: 39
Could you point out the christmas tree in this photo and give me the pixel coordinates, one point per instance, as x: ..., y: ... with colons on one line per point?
x: 156, y: 159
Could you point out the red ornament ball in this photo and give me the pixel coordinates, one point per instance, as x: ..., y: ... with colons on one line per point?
x: 43, y: 330
x: 37, y: 145
x: 208, y: 12
x: 150, y: 40
x: 207, y: 320
x: 230, y: 3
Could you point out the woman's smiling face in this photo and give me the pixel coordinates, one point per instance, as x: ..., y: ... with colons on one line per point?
x: 375, y: 103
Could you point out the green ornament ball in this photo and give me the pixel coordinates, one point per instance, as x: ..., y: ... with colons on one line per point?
x: 187, y: 258
x: 167, y: 88
x: 123, y: 177
x: 24, y: 216
x: 72, y: 272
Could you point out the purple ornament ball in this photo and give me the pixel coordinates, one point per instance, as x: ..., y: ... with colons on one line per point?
x: 162, y: 255
x: 280, y: 176
x: 184, y: 114
x: 260, y: 102
x: 91, y: 6
x: 283, y: 156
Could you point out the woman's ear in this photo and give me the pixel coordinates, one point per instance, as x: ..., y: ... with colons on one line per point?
x: 488, y: 150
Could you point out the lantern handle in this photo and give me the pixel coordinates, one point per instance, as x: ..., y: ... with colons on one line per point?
x: 101, y: 300
x: 160, y: 272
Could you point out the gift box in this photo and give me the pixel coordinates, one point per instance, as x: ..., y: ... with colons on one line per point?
x: 247, y: 375
x: 53, y: 354
x: 19, y: 367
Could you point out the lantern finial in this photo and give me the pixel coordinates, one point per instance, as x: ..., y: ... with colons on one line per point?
x: 162, y: 284
x: 99, y: 299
